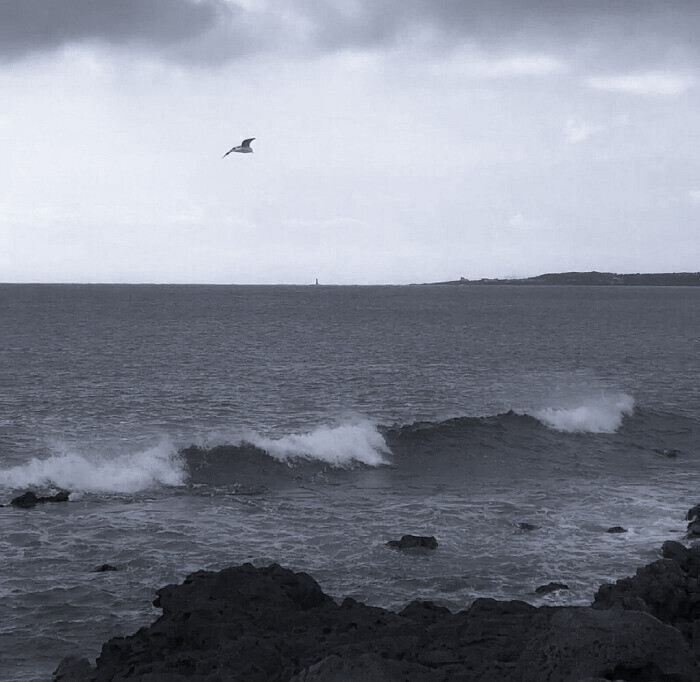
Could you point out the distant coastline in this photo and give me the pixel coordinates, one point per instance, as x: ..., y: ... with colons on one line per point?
x: 598, y: 279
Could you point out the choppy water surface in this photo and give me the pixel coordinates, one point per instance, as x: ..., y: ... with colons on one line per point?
x: 325, y: 421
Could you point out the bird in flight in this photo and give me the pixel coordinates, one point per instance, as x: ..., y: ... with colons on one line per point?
x: 243, y: 148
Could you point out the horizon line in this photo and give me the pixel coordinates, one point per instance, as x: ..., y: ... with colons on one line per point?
x: 335, y: 284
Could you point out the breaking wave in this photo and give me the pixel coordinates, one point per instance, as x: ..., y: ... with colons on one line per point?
x: 339, y: 446
x: 129, y: 473
x: 255, y: 458
x: 596, y: 415
x: 599, y: 415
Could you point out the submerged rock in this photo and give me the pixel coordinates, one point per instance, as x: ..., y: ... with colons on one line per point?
x: 105, y: 568
x: 616, y: 529
x: 274, y: 625
x: 414, y: 542
x: 31, y: 499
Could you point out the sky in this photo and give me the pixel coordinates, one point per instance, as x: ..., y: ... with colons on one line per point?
x: 397, y: 141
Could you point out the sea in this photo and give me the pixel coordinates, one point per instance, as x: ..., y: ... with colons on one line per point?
x: 199, y: 427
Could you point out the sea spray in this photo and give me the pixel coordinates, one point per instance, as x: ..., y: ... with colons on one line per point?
x: 592, y: 415
x: 340, y: 446
x: 127, y: 473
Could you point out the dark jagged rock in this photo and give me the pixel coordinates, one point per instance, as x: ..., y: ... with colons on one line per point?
x: 105, y: 568
x: 527, y: 526
x: 73, y: 669
x: 363, y: 668
x: 693, y: 515
x: 414, y: 542
x: 580, y: 643
x: 668, y: 589
x: 551, y: 587
x: 273, y: 625
x: 31, y: 499
x: 424, y: 612
x: 26, y: 501
x: 616, y: 529
x: 669, y: 453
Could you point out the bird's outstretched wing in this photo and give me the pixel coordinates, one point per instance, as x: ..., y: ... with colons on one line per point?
x: 244, y: 146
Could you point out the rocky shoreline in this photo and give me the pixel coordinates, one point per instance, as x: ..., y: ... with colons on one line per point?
x: 271, y: 624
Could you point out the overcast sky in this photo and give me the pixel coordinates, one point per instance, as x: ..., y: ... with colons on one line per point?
x: 396, y: 141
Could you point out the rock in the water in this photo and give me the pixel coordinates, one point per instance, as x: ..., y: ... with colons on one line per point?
x: 527, y: 526
x: 414, y: 542
x: 616, y: 529
x: 105, y: 568
x: 31, y: 499
x: 26, y: 501
x: 670, y: 453
x: 693, y: 512
x: 551, y: 587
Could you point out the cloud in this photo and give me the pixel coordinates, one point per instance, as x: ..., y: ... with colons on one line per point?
x: 477, y: 65
x: 577, y: 130
x: 644, y: 32
x: 654, y: 83
x: 694, y: 196
x: 30, y: 26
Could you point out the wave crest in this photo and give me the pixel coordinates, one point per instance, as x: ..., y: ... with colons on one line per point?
x: 339, y: 446
x: 593, y: 415
x: 130, y: 473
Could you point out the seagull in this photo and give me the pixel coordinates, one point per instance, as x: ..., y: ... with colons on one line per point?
x: 243, y: 148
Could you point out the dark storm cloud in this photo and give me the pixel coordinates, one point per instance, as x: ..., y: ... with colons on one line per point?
x: 614, y: 32
x: 29, y: 26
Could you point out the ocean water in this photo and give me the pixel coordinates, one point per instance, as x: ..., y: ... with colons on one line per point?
x: 199, y: 427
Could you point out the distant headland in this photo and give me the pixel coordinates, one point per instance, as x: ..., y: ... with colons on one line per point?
x: 598, y: 279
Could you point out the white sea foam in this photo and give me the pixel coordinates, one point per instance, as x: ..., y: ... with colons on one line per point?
x: 129, y: 473
x: 340, y: 446
x: 602, y: 414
